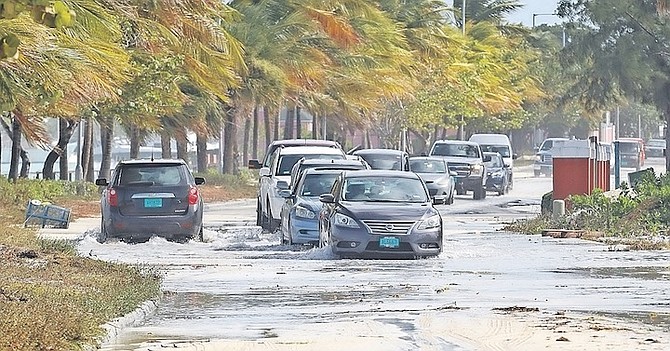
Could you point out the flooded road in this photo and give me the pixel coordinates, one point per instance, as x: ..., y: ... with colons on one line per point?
x: 488, y: 290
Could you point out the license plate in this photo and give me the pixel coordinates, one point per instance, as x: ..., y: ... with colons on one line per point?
x: 153, y: 203
x: 389, y: 242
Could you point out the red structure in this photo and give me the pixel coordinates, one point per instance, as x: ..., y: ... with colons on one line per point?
x: 580, y: 166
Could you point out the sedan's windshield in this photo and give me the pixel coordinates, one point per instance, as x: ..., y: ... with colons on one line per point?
x: 287, y: 162
x: 427, y: 166
x: 629, y: 147
x: 384, y: 189
x: 386, y: 162
x: 503, y: 150
x: 496, y: 162
x: 317, y: 184
x: 456, y: 150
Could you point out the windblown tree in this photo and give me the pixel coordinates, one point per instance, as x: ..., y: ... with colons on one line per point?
x: 622, y: 49
x: 188, y: 32
x: 56, y: 72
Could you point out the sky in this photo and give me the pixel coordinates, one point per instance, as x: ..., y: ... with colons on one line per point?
x: 525, y: 15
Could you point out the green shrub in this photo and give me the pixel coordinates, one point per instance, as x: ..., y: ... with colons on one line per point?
x: 244, y: 177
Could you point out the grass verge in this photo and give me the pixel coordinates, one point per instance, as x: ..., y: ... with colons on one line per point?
x: 51, y: 298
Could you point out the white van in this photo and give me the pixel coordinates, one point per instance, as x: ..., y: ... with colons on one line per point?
x: 497, y: 143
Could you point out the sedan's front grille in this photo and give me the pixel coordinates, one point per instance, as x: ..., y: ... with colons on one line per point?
x: 389, y: 227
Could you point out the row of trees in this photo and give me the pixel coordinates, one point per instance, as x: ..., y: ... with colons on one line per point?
x: 198, y: 66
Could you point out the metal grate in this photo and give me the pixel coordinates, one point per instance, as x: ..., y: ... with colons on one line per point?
x: 389, y: 227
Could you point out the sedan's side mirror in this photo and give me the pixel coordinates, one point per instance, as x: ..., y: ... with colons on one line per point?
x: 199, y: 180
x: 264, y: 172
x: 101, y: 182
x: 537, y: 148
x: 327, y: 198
x: 515, y: 156
x: 254, y: 164
x: 285, y: 193
x: 282, y: 185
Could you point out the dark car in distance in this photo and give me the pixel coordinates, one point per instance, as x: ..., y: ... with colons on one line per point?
x: 498, y: 174
x: 438, y: 178
x: 385, y: 159
x: 382, y: 214
x: 151, y: 197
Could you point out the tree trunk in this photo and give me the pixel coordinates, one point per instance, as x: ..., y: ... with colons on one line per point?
x: 288, y: 122
x: 315, y: 127
x: 245, y: 143
x: 276, y: 123
x: 16, y: 150
x: 254, y: 136
x: 667, y: 139
x: 63, y: 166
x: 134, y: 134
x: 230, y: 146
x: 55, y: 153
x: 201, y: 152
x: 87, y: 156
x: 166, y: 147
x: 106, y: 137
x: 182, y: 146
x: 268, y: 126
x: 25, y: 164
x: 298, y: 123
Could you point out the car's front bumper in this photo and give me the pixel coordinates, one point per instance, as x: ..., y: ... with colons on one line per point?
x: 469, y: 183
x: 359, y: 242
x: 303, y: 230
x: 495, y: 183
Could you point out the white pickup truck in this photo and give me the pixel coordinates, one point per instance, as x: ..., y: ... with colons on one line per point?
x: 277, y: 176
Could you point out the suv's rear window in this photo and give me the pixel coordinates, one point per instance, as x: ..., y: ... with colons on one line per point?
x: 150, y: 175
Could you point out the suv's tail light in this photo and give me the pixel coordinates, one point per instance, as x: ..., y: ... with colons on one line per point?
x: 193, y: 195
x: 112, y: 197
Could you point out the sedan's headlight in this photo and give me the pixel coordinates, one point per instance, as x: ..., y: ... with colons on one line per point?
x: 304, y: 212
x: 498, y: 174
x: 430, y: 223
x: 345, y: 221
x: 476, y: 169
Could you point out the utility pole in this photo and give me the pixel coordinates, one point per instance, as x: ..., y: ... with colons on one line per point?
x: 463, y: 16
x: 78, y: 170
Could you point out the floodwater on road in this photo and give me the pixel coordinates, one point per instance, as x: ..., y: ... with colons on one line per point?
x: 242, y: 290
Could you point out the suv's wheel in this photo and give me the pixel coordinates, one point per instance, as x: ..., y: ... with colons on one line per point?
x: 259, y: 213
x: 450, y: 199
x: 478, y: 193
x: 102, y: 236
x: 271, y: 222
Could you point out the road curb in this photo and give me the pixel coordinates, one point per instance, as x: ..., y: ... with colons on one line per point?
x: 114, y: 326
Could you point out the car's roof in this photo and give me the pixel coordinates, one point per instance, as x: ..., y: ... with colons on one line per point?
x: 491, y: 153
x: 323, y: 171
x: 321, y: 161
x: 380, y: 173
x: 305, y: 142
x: 311, y: 150
x: 556, y: 138
x: 431, y: 158
x: 153, y: 161
x: 630, y: 139
x: 379, y: 152
x: 465, y: 142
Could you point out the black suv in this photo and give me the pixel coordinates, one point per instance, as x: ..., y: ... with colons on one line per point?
x: 467, y: 160
x: 151, y: 197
